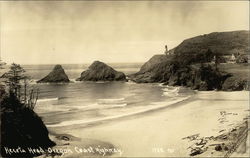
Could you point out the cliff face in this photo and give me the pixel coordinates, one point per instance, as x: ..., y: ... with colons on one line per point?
x: 21, y: 128
x: 57, y: 75
x: 155, y: 70
x: 99, y: 71
x: 189, y: 64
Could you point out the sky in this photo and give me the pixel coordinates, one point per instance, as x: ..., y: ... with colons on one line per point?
x: 67, y: 32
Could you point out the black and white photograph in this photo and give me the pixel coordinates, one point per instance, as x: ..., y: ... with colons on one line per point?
x: 124, y: 78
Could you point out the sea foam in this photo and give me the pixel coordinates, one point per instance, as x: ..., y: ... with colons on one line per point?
x: 157, y: 106
x: 47, y: 99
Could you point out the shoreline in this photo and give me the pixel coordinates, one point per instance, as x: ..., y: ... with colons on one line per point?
x: 120, y: 117
x: 144, y: 134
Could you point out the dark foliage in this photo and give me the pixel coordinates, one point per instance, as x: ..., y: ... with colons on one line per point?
x: 21, y: 127
x: 208, y: 78
x: 242, y: 59
x: 14, y: 76
x: 234, y: 84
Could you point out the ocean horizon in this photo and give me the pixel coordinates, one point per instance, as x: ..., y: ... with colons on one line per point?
x: 38, y: 71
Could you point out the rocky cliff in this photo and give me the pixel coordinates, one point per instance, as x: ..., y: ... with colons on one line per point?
x: 21, y: 129
x: 189, y: 64
x: 99, y: 71
x: 153, y: 70
x: 57, y: 75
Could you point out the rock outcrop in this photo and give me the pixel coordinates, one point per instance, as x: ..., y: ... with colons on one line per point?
x: 200, y: 77
x: 99, y: 71
x: 153, y: 71
x: 190, y: 63
x: 234, y: 84
x: 57, y: 75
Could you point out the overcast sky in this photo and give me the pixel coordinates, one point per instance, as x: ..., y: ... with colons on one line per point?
x: 62, y: 32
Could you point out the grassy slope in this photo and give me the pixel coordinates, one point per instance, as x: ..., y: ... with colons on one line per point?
x: 225, y: 43
x: 239, y: 70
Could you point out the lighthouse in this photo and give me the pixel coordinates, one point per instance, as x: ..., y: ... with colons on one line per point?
x: 166, y: 49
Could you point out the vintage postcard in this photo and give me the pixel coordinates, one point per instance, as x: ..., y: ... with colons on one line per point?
x: 124, y: 78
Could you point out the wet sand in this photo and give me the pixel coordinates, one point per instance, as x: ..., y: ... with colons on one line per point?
x: 160, y: 133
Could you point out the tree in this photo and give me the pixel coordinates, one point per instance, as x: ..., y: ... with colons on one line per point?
x: 204, y: 56
x: 16, y: 80
x: 14, y: 77
x: 242, y: 58
x: 216, y: 61
x: 218, y: 58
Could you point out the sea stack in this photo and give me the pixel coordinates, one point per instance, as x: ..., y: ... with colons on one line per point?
x: 99, y: 71
x: 57, y: 75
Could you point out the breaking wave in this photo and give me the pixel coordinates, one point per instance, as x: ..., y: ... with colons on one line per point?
x: 156, y: 106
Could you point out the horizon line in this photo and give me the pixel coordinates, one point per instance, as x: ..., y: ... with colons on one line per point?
x: 75, y: 63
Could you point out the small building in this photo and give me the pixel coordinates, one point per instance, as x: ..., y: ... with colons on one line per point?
x: 213, y: 60
x: 232, y: 59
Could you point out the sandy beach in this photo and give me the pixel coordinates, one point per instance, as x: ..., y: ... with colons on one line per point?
x: 160, y: 133
x: 124, y: 78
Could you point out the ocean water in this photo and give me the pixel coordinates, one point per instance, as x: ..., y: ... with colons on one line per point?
x: 83, y: 103
x: 73, y: 71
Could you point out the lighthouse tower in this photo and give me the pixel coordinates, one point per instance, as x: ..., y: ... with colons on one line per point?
x: 166, y: 49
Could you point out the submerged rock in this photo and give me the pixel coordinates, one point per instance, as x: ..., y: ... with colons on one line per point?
x: 57, y: 75
x: 99, y: 71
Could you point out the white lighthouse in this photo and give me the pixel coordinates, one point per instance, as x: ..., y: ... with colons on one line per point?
x: 166, y: 50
